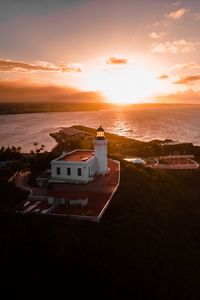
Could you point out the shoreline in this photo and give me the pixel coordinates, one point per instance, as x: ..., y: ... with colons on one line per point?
x: 181, y: 125
x: 12, y: 108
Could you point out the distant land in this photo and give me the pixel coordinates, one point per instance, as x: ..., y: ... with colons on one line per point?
x: 17, y: 92
x: 46, y: 107
x: 7, y: 108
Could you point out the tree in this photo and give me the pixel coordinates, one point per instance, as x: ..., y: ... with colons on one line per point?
x: 35, y: 144
x: 38, y: 149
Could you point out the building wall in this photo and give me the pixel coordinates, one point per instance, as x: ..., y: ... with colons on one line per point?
x: 88, y: 170
x: 100, y: 150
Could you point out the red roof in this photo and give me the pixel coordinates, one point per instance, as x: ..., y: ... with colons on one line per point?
x: 77, y: 155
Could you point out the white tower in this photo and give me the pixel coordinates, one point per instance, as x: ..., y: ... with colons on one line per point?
x: 100, y: 151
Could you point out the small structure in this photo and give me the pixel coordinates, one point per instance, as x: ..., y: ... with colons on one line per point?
x: 136, y: 161
x: 174, y: 162
x: 43, y: 178
x: 80, y: 166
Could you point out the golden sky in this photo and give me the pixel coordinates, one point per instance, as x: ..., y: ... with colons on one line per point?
x: 127, y: 51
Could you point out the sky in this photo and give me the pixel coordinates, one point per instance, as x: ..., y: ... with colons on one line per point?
x: 126, y: 51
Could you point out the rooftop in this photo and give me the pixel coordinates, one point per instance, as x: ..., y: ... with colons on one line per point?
x: 77, y: 155
x: 98, y: 193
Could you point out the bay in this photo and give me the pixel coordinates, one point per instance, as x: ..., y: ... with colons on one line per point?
x: 177, y: 122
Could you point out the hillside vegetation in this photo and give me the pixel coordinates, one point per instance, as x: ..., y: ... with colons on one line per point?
x: 148, y: 242
x: 146, y: 246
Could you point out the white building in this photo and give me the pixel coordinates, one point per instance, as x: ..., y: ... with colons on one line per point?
x: 81, y: 166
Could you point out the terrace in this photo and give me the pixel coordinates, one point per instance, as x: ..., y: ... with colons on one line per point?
x: 174, y: 162
x: 70, y: 199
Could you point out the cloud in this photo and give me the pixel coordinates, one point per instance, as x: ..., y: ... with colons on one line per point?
x: 188, y: 79
x: 68, y: 68
x: 157, y: 24
x: 187, y: 66
x: 117, y: 60
x: 162, y: 23
x: 164, y: 76
x: 196, y: 16
x: 7, y: 65
x: 176, y: 3
x: 180, y: 46
x: 177, y: 14
x: 19, y: 92
x: 155, y: 35
x: 188, y: 96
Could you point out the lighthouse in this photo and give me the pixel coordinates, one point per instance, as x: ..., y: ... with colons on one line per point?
x: 100, y: 152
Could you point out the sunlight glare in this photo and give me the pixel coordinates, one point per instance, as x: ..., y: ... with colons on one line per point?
x: 122, y: 84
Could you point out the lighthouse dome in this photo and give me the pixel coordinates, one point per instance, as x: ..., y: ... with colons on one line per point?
x: 100, y: 134
x: 100, y: 128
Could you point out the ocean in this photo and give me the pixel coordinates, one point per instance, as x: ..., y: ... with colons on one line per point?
x: 177, y: 122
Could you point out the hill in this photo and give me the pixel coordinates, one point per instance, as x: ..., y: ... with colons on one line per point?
x: 146, y: 246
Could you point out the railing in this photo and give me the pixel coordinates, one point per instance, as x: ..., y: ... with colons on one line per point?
x: 176, y: 167
x: 13, y: 176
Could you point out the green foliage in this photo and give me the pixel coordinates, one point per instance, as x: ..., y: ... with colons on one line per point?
x: 39, y: 162
x: 147, y: 244
x: 10, y: 195
x: 7, y: 153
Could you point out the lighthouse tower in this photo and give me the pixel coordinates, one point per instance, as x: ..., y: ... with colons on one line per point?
x: 100, y: 151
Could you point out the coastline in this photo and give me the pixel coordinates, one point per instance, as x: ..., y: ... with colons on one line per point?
x: 11, y: 108
x: 15, y: 108
x: 180, y: 125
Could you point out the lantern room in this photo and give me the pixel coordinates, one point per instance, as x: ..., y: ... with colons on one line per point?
x: 100, y: 134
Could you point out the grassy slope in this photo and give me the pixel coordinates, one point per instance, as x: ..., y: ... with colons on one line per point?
x: 147, y: 242
x: 146, y: 245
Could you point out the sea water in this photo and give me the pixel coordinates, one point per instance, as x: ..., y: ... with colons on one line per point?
x: 177, y: 122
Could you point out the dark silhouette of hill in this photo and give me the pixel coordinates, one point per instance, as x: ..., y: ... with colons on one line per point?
x: 146, y: 246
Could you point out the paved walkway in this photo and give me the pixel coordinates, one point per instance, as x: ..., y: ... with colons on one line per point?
x: 21, y: 180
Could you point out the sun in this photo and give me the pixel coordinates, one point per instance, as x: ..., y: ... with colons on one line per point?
x: 122, y: 84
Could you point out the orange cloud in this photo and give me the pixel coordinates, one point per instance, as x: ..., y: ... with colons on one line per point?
x: 188, y: 79
x: 21, y: 66
x: 116, y: 60
x: 188, y: 96
x: 180, y: 46
x: 192, y: 65
x: 164, y: 76
x: 176, y: 3
x: 19, y: 92
x: 196, y: 16
x: 177, y: 14
x: 155, y: 35
x: 68, y: 68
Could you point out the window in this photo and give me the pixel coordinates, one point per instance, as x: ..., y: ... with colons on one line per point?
x: 68, y: 171
x: 58, y: 170
x: 79, y: 171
